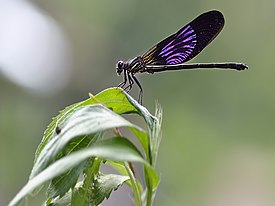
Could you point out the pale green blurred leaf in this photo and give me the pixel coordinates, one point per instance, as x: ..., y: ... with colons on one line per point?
x: 84, y: 121
x: 118, y: 149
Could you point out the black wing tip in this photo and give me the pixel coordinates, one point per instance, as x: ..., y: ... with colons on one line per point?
x: 212, y: 21
x: 214, y: 13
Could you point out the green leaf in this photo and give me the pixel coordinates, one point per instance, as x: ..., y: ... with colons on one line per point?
x: 120, y: 167
x: 101, y: 189
x: 62, y: 201
x: 143, y: 138
x: 154, y: 125
x: 61, y: 184
x: 114, y: 98
x: 117, y: 100
x: 104, y: 185
x: 57, y: 121
x: 66, y: 199
x: 117, y: 149
x: 85, y: 121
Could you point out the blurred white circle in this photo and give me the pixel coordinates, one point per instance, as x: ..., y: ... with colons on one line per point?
x: 34, y: 52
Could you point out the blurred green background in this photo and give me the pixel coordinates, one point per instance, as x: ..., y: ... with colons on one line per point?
x: 218, y: 126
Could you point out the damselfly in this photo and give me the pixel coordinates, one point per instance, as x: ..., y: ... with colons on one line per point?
x: 172, y: 52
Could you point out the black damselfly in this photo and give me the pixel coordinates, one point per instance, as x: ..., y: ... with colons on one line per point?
x: 172, y: 52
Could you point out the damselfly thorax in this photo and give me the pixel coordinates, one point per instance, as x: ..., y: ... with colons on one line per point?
x: 133, y: 66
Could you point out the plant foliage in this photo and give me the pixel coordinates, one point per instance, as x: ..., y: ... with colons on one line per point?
x: 78, y: 141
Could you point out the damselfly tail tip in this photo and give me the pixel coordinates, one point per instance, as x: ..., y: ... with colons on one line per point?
x: 241, y: 66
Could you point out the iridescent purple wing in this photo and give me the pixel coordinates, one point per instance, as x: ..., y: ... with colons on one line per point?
x: 187, y: 42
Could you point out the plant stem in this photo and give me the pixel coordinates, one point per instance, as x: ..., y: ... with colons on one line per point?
x: 134, y: 184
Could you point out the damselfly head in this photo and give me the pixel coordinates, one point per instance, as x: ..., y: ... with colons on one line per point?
x: 120, y: 66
